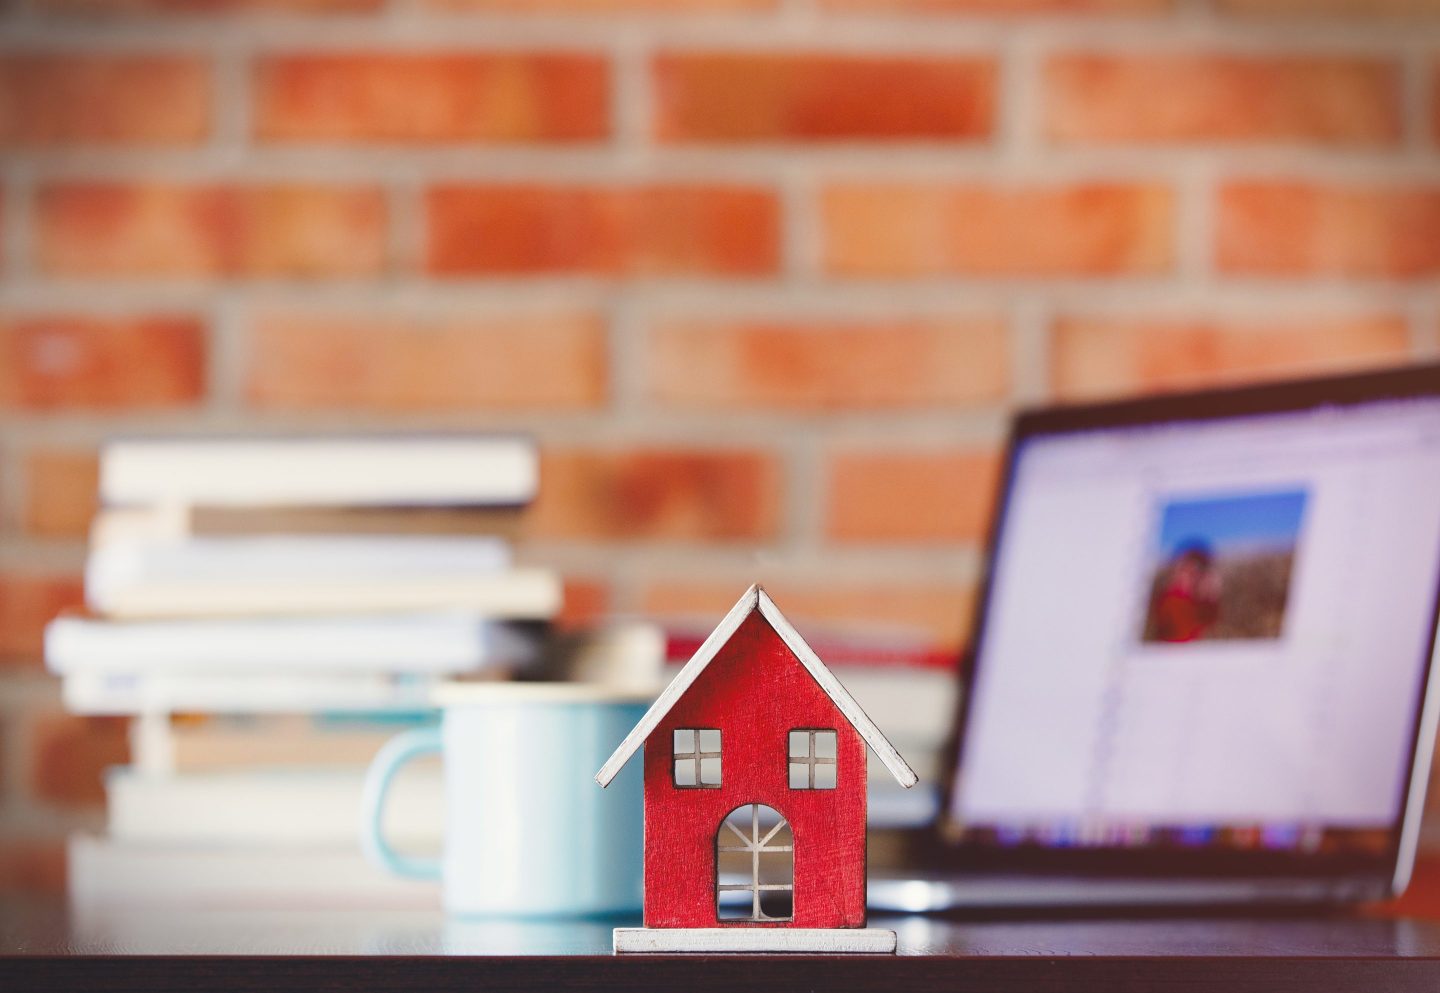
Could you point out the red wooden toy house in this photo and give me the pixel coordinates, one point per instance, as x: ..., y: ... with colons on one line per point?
x: 755, y: 797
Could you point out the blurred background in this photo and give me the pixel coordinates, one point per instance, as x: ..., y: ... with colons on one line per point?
x: 762, y: 278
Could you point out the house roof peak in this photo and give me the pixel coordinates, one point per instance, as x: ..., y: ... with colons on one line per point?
x: 756, y: 598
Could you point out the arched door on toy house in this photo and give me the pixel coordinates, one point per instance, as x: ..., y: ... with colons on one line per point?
x: 754, y: 866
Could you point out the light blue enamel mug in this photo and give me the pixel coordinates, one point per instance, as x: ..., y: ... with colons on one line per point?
x: 527, y: 831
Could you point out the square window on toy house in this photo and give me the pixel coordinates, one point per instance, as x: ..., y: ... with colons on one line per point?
x: 812, y: 760
x: 697, y: 758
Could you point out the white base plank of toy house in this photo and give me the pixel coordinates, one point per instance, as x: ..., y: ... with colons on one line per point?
x: 814, y: 940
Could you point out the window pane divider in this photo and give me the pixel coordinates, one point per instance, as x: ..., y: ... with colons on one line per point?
x: 755, y: 846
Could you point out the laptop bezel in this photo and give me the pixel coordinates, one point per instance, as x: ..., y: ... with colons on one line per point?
x: 1392, y: 867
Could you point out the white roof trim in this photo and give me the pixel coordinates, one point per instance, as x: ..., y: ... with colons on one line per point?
x: 756, y: 597
x: 678, y: 686
x: 838, y: 695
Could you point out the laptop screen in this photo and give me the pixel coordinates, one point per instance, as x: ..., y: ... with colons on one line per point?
x: 1207, y: 633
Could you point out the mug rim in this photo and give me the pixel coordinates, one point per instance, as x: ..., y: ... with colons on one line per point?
x: 458, y: 694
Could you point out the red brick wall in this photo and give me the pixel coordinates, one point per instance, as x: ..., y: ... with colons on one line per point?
x: 763, y: 276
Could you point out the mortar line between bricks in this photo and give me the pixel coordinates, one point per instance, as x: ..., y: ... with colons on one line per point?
x: 922, y: 561
x: 754, y: 32
x: 1196, y: 206
x: 427, y: 30
x: 227, y: 364
x: 230, y: 103
x: 623, y: 587
x: 1019, y: 111
x: 801, y: 13
x: 828, y: 574
x: 1031, y: 328
x: 820, y: 298
x: 943, y: 438
x: 662, y: 427
x: 875, y: 161
x: 632, y: 99
x: 802, y: 238
x: 804, y: 507
x: 627, y: 334
x: 407, y: 227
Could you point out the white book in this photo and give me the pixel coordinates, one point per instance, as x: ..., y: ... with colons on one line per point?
x: 296, y: 562
x: 421, y: 471
x: 314, y: 573
x: 434, y: 642
x: 252, y: 692
x: 530, y: 594
x: 280, y: 807
x: 525, y: 594
x: 109, y: 878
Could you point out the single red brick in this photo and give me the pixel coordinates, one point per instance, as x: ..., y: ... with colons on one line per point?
x: 33, y: 865
x: 61, y: 487
x: 587, y: 603
x: 1096, y: 229
x: 1331, y: 100
x: 520, y: 96
x: 911, y: 496
x: 27, y: 604
x: 306, y: 362
x: 1002, y: 7
x: 70, y: 755
x: 74, y: 98
x: 653, y: 230
x: 65, y: 361
x: 819, y: 365
x: 1292, y: 228
x: 656, y: 494
x: 770, y: 96
x: 115, y: 229
x: 937, y: 612
x: 1092, y: 356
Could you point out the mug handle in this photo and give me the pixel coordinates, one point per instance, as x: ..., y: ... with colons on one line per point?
x: 395, y: 753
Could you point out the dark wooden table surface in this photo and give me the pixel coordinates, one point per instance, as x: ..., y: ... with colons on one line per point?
x: 47, y: 946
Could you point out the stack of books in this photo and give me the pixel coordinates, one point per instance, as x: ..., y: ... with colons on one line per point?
x: 270, y: 612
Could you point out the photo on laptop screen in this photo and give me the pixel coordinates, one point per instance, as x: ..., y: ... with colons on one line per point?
x: 1206, y: 631
x: 1222, y: 566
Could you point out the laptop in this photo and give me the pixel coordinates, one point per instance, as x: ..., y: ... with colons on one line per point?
x: 1203, y: 666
